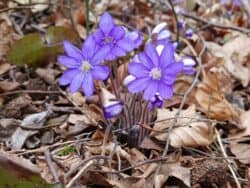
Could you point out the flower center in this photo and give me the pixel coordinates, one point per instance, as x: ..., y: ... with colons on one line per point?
x: 85, y: 66
x: 107, y: 40
x: 155, y: 73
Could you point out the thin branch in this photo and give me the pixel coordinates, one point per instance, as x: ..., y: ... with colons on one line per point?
x: 202, y: 20
x: 176, y: 20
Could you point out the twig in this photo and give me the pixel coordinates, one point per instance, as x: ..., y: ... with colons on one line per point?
x: 176, y: 20
x: 228, y: 161
x: 87, y: 15
x: 50, y: 166
x: 230, y: 27
x: 79, y: 174
x: 29, y: 91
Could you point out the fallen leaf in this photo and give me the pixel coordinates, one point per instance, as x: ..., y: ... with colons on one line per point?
x: 234, y: 53
x: 213, y: 102
x: 189, y: 130
x: 8, y: 85
x: 4, y: 68
x: 20, y: 136
x: 239, y: 141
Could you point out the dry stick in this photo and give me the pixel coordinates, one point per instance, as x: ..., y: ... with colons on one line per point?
x: 29, y: 91
x: 230, y: 27
x: 50, y: 166
x: 228, y: 161
x: 79, y: 174
x: 176, y: 20
x: 185, y: 97
x: 72, y: 171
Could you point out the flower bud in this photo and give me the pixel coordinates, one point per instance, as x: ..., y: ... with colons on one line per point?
x: 111, y: 107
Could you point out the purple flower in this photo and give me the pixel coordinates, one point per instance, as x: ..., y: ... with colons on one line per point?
x: 160, y: 34
x: 83, y: 66
x: 113, y: 36
x: 135, y: 37
x: 188, y: 65
x: 154, y: 73
x: 234, y: 2
x: 111, y: 106
x: 189, y: 33
x: 155, y: 102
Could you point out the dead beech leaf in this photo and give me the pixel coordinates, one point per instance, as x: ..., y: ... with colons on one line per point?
x: 190, y: 131
x: 6, y: 85
x: 239, y: 142
x: 213, y: 102
x: 234, y: 53
x: 4, y: 68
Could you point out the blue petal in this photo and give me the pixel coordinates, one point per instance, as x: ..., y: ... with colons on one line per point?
x: 98, y: 36
x: 110, y: 57
x: 68, y: 76
x: 106, y: 23
x: 117, y: 51
x: 100, y: 72
x: 138, y: 69
x: 126, y: 44
x: 138, y: 85
x: 152, y: 54
x: 88, y: 85
x: 173, y: 69
x: 71, y: 50
x: 117, y: 32
x: 88, y: 48
x: 150, y: 90
x: 76, y: 82
x: 166, y: 91
x: 100, y: 55
x: 68, y: 62
x: 145, y: 61
x: 167, y: 55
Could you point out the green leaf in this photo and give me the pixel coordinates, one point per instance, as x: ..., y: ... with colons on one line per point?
x: 37, y: 50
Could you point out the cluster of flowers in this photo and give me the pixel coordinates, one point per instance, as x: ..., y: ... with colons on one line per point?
x: 152, y: 72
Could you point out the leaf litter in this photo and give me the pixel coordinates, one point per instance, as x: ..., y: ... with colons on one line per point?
x: 57, y: 136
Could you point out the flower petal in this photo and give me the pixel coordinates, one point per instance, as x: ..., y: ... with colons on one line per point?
x: 152, y: 54
x: 137, y: 69
x: 167, y: 55
x: 144, y: 59
x: 173, y: 69
x: 166, y: 91
x: 68, y: 76
x: 117, y: 32
x: 150, y: 90
x: 68, y: 62
x: 72, y: 51
x: 76, y: 82
x: 88, y: 85
x: 126, y: 44
x: 89, y: 47
x: 98, y: 35
x: 100, y: 72
x: 100, y: 55
x: 106, y: 23
x: 117, y: 51
x: 138, y: 85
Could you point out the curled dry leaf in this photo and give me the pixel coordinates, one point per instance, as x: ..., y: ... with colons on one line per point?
x: 190, y: 130
x: 239, y: 142
x: 213, y: 102
x: 234, y: 53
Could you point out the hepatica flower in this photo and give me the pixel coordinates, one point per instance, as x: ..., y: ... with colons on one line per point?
x: 160, y: 34
x: 234, y: 2
x: 155, y: 72
x: 113, y: 36
x: 83, y: 66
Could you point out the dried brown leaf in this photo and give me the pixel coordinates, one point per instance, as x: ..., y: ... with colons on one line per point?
x: 191, y: 131
x: 234, y: 54
x: 213, y: 102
